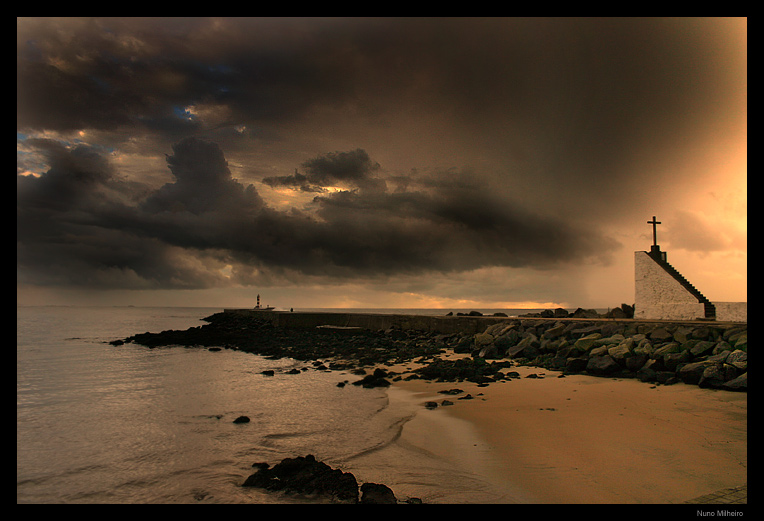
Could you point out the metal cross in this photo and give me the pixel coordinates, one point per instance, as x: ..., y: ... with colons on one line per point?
x: 655, y: 234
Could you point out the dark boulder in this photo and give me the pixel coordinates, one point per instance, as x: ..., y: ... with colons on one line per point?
x: 661, y: 334
x: 602, y: 365
x: 376, y: 494
x: 692, y: 373
x: 737, y: 384
x: 242, y: 419
x: 666, y: 377
x: 376, y: 379
x: 713, y: 376
x: 306, y: 475
x: 576, y: 365
x: 673, y: 360
x: 634, y: 363
x: 701, y: 348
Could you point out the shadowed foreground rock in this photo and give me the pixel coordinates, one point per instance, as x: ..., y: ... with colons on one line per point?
x: 306, y: 475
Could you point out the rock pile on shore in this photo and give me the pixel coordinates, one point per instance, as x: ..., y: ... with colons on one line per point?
x: 705, y: 354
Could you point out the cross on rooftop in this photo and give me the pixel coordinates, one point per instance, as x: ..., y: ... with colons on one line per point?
x: 655, y: 234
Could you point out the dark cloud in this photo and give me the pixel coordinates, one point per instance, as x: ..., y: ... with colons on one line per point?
x: 216, y: 220
x: 459, y: 143
x: 354, y: 169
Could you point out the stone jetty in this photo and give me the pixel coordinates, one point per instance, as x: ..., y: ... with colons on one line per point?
x: 704, y: 354
x: 708, y: 354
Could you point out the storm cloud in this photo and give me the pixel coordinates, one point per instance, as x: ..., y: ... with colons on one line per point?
x: 210, y: 152
x: 75, y: 223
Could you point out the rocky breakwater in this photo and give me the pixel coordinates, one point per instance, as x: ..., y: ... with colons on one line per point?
x: 704, y: 354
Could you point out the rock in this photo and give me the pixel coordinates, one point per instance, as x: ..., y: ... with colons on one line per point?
x: 395, y: 334
x: 647, y: 373
x: 376, y: 379
x: 741, y: 342
x: 584, y: 344
x: 526, y: 344
x: 620, y: 352
x: 692, y: 373
x: 713, y: 376
x: 585, y: 313
x: 490, y: 352
x: 242, y: 419
x: 721, y: 346
x: 701, y: 348
x: 616, y: 313
x: 374, y: 493
x: 671, y: 347
x: 731, y: 334
x: 463, y: 345
x: 554, y: 331
x: 739, y: 359
x: 701, y: 333
x: 506, y: 340
x: 610, y: 340
x: 666, y: 378
x: 661, y: 334
x: 682, y: 334
x: 672, y: 360
x: 644, y: 348
x: 576, y: 365
x: 635, y: 362
x: 305, y: 475
x: 431, y: 405
x: 602, y: 365
x: 268, y: 372
x: 737, y: 384
x: 560, y: 313
x: 483, y: 339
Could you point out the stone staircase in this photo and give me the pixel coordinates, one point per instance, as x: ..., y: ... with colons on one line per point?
x: 708, y: 307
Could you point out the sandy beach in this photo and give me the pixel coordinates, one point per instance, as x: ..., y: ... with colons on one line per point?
x: 583, y: 439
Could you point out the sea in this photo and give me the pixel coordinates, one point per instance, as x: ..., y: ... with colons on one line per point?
x: 97, y: 423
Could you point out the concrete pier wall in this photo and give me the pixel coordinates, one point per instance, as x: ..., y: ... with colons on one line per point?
x: 429, y: 323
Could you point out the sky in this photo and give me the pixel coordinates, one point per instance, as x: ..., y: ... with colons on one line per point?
x: 455, y: 163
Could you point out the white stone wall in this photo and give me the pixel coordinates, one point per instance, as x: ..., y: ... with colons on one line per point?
x: 731, y: 311
x: 658, y: 295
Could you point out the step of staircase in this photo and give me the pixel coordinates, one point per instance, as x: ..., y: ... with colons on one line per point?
x: 708, y: 308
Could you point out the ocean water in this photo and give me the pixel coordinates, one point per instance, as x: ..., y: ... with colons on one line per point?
x: 103, y: 424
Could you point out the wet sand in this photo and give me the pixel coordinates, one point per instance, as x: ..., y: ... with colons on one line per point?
x: 582, y: 439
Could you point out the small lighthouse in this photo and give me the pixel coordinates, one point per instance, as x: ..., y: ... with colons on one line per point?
x: 262, y: 308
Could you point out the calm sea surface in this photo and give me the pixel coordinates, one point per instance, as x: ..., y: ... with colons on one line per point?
x: 97, y: 423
